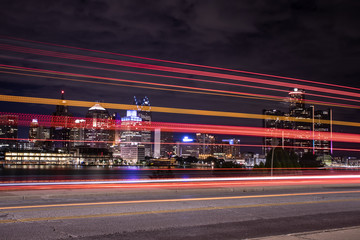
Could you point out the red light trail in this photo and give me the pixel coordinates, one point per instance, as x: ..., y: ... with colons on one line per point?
x: 76, y: 103
x: 179, y: 143
x: 181, y: 63
x: 177, y: 77
x: 170, y: 69
x: 186, y: 183
x: 197, y: 128
x: 202, y: 90
x: 133, y: 81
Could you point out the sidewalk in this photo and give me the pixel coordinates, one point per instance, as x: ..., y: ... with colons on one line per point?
x: 351, y: 233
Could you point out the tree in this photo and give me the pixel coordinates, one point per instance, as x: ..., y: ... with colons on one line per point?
x: 294, y: 159
x: 210, y: 159
x: 191, y: 159
x: 281, y: 159
x: 231, y: 165
x: 309, y: 160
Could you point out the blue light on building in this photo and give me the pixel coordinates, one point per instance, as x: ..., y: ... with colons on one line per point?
x: 187, y: 139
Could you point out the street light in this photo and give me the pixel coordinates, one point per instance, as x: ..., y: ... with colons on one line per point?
x: 272, y: 160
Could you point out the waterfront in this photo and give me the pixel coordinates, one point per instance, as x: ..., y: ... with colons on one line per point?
x: 69, y: 173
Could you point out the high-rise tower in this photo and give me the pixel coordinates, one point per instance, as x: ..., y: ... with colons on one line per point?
x: 99, y: 131
x: 61, y: 125
x: 144, y: 112
x: 8, y: 131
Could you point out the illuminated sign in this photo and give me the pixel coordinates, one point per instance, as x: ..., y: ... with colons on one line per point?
x: 187, y: 139
x: 131, y: 113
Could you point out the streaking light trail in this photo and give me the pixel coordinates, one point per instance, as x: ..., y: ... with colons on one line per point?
x: 88, y: 104
x: 218, y: 179
x: 172, y: 87
x: 182, y: 63
x: 260, y: 96
x: 182, y: 78
x: 170, y: 69
x: 203, y: 128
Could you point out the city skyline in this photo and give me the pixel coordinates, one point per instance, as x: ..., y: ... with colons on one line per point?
x: 63, y: 111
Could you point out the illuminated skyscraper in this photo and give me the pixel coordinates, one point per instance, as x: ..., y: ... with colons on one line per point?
x: 206, y: 143
x: 99, y: 131
x: 131, y: 128
x: 163, y: 144
x: 300, y: 117
x: 8, y: 131
x: 77, y: 133
x: 232, y: 149
x: 131, y: 147
x: 296, y: 102
x: 188, y: 148
x: 38, y: 134
x: 298, y: 111
x: 144, y: 112
x: 322, y: 146
x: 270, y: 124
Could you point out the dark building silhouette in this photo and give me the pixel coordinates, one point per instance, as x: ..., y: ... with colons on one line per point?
x: 61, y: 123
x: 299, y: 117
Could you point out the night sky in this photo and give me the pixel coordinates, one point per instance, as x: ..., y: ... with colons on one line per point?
x: 312, y: 40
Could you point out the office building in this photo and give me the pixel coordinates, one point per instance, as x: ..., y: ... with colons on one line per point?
x: 187, y: 148
x: 8, y: 131
x: 99, y: 131
x: 132, y: 149
x: 164, y: 146
x: 322, y: 146
x: 206, y: 143
x: 300, y: 117
x: 144, y: 112
x: 61, y: 123
x: 40, y: 136
x: 77, y: 133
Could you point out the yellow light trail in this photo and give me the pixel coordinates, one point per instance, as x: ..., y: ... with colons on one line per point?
x: 88, y: 104
x: 176, y: 200
x: 200, y: 90
x: 136, y: 86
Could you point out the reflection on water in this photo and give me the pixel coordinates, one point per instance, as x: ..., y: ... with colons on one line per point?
x: 79, y: 172
x: 58, y: 172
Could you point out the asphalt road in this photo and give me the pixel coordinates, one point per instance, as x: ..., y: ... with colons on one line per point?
x: 181, y: 214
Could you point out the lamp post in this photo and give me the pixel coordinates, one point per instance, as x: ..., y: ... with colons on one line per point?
x: 313, y: 128
x: 272, y: 160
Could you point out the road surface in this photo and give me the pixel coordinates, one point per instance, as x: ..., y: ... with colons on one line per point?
x: 178, y: 214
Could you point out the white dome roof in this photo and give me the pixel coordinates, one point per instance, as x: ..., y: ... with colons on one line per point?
x: 97, y: 106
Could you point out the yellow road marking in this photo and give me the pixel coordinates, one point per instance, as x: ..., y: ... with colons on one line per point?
x: 175, y: 200
x: 172, y: 211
